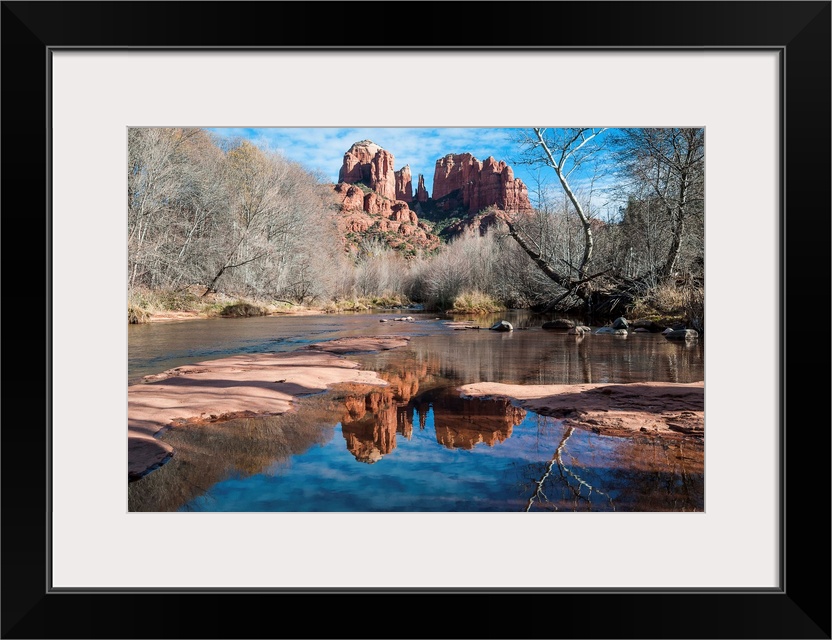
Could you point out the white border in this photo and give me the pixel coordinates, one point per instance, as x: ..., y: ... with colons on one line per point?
x: 97, y: 543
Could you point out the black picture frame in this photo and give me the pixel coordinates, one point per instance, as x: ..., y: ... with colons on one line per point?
x: 800, y: 608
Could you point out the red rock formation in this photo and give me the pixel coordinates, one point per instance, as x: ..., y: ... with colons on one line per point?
x: 404, y: 184
x: 349, y: 196
x: 374, y: 204
x: 462, y: 181
x: 368, y: 163
x: 453, y: 173
x: 421, y: 192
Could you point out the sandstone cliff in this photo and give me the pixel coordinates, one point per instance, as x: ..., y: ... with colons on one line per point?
x: 368, y: 163
x: 375, y: 199
x: 421, y: 192
x: 364, y: 212
x: 404, y: 184
x: 461, y: 181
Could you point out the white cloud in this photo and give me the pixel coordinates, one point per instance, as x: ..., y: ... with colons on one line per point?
x: 322, y: 149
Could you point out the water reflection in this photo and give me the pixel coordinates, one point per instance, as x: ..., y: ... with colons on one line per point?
x: 462, y: 423
x: 464, y: 455
x: 543, y: 357
x: 597, y: 473
x: 370, y: 425
x: 528, y: 355
x: 214, y: 452
x: 374, y: 417
x: 415, y: 445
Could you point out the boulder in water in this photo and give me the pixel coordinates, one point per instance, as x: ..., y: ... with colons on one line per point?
x: 611, y: 331
x: 682, y: 334
x: 559, y: 324
x: 620, y: 323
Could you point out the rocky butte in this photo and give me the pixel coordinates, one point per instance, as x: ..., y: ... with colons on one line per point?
x: 369, y: 164
x: 460, y: 181
x: 375, y: 199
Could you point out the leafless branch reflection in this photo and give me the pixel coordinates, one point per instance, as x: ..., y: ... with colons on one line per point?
x: 565, y: 473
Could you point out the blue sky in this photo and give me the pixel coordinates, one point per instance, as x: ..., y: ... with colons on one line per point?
x: 322, y: 149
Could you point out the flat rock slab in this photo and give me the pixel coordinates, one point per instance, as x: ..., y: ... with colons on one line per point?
x: 361, y: 344
x: 242, y: 385
x: 666, y: 409
x: 144, y: 454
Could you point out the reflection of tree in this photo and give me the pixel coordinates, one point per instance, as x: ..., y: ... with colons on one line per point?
x: 542, y: 357
x: 639, y: 474
x: 566, y: 478
x: 655, y: 475
x: 210, y: 453
x: 645, y: 473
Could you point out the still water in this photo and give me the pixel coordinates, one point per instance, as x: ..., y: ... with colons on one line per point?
x: 416, y: 445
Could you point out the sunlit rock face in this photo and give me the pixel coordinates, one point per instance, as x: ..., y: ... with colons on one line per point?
x: 397, y: 210
x: 368, y: 163
x: 404, y: 184
x: 460, y: 181
x: 349, y: 196
x: 373, y: 200
x: 421, y: 191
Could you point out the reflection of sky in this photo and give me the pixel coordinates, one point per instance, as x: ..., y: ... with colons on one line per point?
x: 418, y: 475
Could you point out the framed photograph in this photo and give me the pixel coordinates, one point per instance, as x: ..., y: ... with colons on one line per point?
x: 83, y: 81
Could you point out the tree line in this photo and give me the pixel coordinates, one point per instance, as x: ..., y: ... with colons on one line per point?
x: 240, y: 221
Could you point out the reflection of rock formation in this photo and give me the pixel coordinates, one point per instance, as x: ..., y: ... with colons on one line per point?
x: 404, y: 383
x: 462, y: 423
x: 371, y: 423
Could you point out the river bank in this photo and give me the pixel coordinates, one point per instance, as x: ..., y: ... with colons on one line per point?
x: 147, y: 306
x: 234, y: 387
x: 172, y: 316
x: 262, y: 384
x: 668, y: 410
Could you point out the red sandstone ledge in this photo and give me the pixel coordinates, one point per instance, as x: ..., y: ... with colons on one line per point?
x: 243, y: 385
x: 669, y: 410
x: 171, y: 316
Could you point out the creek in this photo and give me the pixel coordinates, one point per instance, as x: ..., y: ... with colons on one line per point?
x: 417, y: 445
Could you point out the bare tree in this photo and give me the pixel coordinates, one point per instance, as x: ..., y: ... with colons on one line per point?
x: 565, y: 151
x: 156, y: 166
x: 667, y: 167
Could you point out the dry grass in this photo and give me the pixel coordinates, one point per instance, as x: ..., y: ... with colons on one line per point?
x: 669, y: 303
x: 143, y: 304
x: 137, y: 315
x: 386, y: 301
x: 475, y: 302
